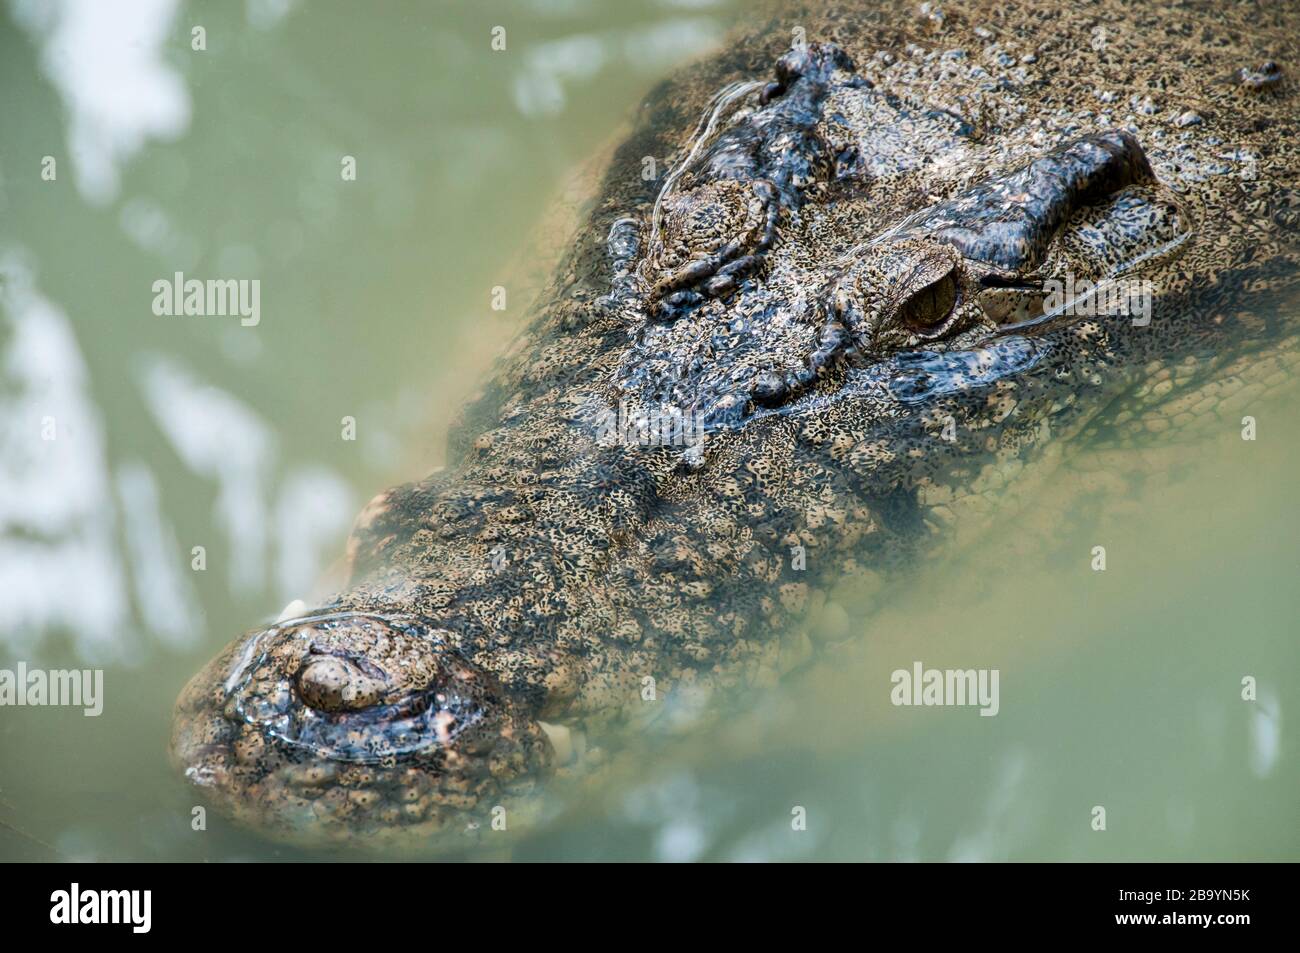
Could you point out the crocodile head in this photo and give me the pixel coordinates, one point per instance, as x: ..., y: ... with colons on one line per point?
x: 806, y: 243
x: 868, y: 279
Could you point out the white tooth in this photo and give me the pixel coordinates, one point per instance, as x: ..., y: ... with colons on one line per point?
x: 561, y: 741
x: 292, y: 610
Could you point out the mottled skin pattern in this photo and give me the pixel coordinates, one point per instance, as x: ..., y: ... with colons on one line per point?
x: 840, y: 281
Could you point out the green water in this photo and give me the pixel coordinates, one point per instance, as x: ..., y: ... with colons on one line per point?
x: 1119, y: 689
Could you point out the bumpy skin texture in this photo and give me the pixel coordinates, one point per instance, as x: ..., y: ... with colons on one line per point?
x: 839, y: 282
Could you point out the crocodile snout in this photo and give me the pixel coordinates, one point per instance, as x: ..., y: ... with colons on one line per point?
x: 348, y: 726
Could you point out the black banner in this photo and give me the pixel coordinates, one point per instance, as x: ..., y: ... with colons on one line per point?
x: 129, y: 903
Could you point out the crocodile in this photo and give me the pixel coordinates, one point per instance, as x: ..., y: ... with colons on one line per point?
x: 898, y: 254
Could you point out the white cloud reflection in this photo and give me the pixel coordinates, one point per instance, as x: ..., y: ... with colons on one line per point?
x: 163, y: 593
x: 59, y: 567
x: 551, y: 68
x: 1265, y: 733
x: 107, y: 63
x: 220, y: 438
x: 79, y: 535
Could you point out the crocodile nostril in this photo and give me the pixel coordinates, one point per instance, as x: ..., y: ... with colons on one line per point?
x: 330, y: 683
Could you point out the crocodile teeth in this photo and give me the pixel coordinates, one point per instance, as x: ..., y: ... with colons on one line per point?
x: 569, y: 745
x: 292, y: 610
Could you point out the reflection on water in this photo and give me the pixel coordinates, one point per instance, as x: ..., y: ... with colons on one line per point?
x: 1265, y: 734
x: 58, y: 517
x: 162, y: 591
x: 166, y: 482
x: 111, y: 73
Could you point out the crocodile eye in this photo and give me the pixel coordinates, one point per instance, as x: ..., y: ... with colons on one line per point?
x: 927, y: 308
x: 330, y: 683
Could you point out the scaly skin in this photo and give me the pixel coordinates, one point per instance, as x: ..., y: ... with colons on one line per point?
x: 840, y: 282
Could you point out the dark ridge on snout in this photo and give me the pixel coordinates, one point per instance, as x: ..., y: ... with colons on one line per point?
x: 1009, y: 221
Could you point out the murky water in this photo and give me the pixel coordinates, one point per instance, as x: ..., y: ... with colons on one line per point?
x: 166, y: 481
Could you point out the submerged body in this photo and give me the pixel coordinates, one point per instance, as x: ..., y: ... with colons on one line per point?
x: 841, y: 312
